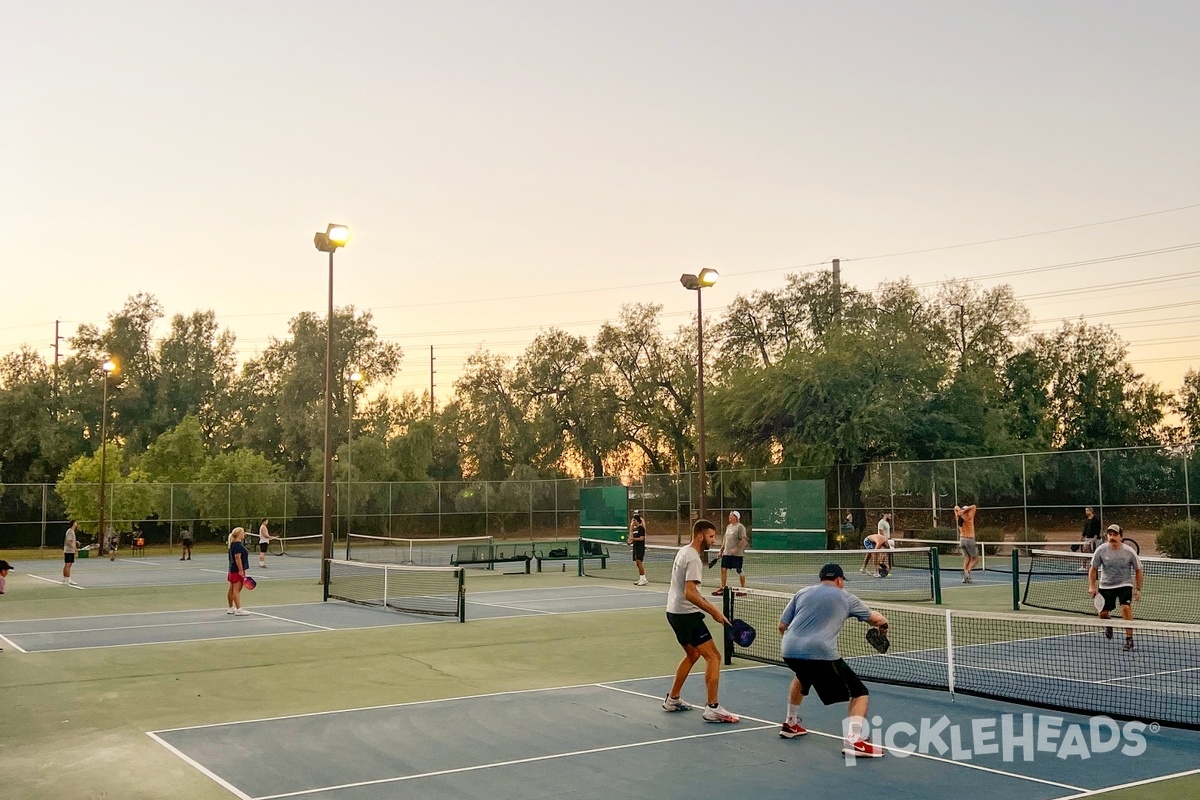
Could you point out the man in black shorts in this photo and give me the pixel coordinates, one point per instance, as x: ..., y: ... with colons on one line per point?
x: 637, y: 541
x: 810, y: 626
x: 1120, y: 579
x: 685, y: 613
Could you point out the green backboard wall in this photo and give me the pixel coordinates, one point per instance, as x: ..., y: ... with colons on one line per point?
x: 788, y: 515
x: 604, y: 513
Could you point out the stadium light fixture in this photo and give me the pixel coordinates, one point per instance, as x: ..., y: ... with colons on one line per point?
x: 696, y: 283
x: 335, y: 236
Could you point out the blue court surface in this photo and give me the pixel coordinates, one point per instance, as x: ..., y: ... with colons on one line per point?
x: 609, y: 740
x: 143, y: 628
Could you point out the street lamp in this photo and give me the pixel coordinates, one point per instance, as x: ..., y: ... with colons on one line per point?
x: 697, y: 283
x: 335, y: 236
x: 355, y: 377
x: 108, y: 367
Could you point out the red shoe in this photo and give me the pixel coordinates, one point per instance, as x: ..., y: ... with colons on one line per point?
x: 791, y: 731
x: 862, y: 748
x: 718, y: 593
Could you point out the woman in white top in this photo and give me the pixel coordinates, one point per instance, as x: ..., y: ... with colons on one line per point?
x: 264, y: 539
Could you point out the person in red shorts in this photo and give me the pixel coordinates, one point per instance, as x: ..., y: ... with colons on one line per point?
x: 239, y: 562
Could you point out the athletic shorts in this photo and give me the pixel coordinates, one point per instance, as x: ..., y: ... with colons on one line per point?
x: 1121, y: 595
x: 68, y: 558
x: 969, y: 547
x: 868, y: 544
x: 834, y: 681
x: 733, y: 562
x: 262, y: 547
x: 690, y: 630
x: 234, y: 578
x: 186, y: 542
x: 639, y: 551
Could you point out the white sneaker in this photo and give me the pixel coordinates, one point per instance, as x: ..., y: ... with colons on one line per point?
x: 71, y: 582
x: 719, y: 714
x: 241, y: 612
x: 231, y: 610
x: 675, y: 704
x: 641, y: 581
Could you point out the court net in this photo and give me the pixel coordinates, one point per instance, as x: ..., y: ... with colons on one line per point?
x: 295, y: 546
x: 420, y: 552
x: 410, y: 589
x: 1052, y: 662
x: 1170, y: 588
x: 993, y: 556
x: 911, y: 572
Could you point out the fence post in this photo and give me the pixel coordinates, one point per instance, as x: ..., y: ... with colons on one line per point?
x: 1100, y: 488
x: 954, y: 466
x: 46, y: 500
x: 1187, y: 498
x: 891, y: 493
x: 171, y: 524
x: 531, y: 509
x: 229, y: 507
x: 285, y: 494
x: 1024, y: 500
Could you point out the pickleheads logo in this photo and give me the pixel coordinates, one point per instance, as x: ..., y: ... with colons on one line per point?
x: 1008, y: 736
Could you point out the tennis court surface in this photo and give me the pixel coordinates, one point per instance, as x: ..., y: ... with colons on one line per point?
x: 612, y: 739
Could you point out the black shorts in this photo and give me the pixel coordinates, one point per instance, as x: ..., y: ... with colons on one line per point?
x: 834, y: 681
x: 68, y: 558
x: 639, y: 551
x: 733, y: 562
x: 186, y: 542
x: 690, y: 630
x: 1122, y: 595
x: 262, y: 547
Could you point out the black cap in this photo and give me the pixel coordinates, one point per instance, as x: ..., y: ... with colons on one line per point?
x: 5, y: 565
x: 831, y: 572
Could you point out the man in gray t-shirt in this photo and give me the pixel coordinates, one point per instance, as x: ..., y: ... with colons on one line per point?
x: 810, y: 626
x: 1116, y: 575
x: 733, y: 551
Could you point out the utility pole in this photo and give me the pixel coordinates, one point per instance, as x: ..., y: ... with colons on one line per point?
x: 837, y: 288
x: 431, y: 382
x: 57, y: 356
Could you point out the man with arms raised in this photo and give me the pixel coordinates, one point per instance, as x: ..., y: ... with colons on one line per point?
x: 1120, y: 579
x: 685, y: 613
x: 810, y: 626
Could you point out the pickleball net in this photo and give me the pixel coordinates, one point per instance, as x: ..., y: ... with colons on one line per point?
x: 294, y: 546
x: 440, y: 591
x: 912, y: 572
x: 1170, y: 589
x: 419, y: 552
x: 1047, y: 661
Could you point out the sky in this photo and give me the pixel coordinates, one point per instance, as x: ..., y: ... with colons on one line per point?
x: 507, y: 167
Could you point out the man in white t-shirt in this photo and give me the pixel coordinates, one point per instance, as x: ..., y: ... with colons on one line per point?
x: 733, y: 551
x: 686, y: 608
x: 70, y: 548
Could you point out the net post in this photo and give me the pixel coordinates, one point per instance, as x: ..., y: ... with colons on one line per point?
x: 950, y: 653
x: 325, y: 582
x: 462, y: 595
x: 385, y: 587
x: 1016, y: 578
x: 727, y: 610
x: 935, y: 575
x: 579, y: 554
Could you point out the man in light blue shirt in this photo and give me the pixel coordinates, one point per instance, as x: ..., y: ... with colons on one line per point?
x: 810, y: 626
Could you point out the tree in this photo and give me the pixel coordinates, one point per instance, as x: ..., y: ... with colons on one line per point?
x: 127, y: 497
x: 1186, y: 404
x: 258, y: 493
x: 196, y: 370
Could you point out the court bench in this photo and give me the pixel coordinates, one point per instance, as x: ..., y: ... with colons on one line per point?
x: 568, y: 550
x: 492, y: 554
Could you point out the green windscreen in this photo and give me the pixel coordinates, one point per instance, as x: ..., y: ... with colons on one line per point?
x: 604, y: 513
x: 788, y: 515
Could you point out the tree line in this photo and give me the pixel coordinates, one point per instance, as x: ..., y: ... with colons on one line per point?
x: 811, y: 374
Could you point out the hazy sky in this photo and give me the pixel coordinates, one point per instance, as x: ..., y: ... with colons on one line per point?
x: 510, y: 166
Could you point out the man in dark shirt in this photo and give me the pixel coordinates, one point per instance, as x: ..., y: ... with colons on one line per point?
x: 1091, y: 531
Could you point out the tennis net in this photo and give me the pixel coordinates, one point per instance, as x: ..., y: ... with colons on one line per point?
x: 1170, y: 588
x: 993, y: 556
x: 1052, y: 662
x: 295, y: 546
x: 411, y: 589
x: 912, y: 572
x: 420, y: 552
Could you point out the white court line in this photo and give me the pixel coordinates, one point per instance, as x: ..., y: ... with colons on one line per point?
x: 202, y: 769
x: 530, y: 760
x: 171, y: 641
x: 839, y: 737
x: 294, y: 621
x: 214, y: 621
x: 1107, y: 789
x: 148, y: 613
x: 12, y: 644
x: 57, y: 582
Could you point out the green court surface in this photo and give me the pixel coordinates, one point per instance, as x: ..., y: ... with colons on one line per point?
x: 553, y: 693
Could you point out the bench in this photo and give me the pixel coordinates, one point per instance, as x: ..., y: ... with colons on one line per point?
x: 568, y: 550
x: 492, y: 554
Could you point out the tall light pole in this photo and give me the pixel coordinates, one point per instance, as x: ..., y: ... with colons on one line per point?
x: 108, y: 367
x: 697, y: 283
x: 355, y: 377
x: 335, y: 236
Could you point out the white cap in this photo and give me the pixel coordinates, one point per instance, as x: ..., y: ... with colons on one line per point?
x: 737, y: 514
